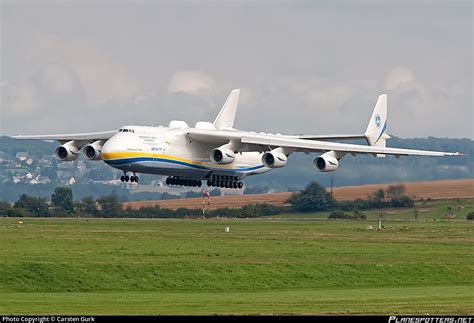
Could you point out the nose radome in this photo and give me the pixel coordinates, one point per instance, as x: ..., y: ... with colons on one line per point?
x: 110, y: 146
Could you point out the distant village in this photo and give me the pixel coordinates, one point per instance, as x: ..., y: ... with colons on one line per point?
x: 30, y: 169
x: 27, y: 168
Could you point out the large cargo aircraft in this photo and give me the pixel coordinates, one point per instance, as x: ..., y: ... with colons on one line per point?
x: 217, y: 152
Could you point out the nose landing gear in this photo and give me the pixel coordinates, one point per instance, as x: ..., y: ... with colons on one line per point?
x: 133, y: 178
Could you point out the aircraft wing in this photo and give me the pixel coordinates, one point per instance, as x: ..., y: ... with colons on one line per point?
x: 91, y: 136
x: 271, y: 141
x: 314, y: 145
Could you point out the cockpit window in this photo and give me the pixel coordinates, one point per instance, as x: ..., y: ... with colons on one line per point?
x: 127, y: 130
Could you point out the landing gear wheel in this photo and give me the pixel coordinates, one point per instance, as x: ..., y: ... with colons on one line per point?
x: 122, y: 178
x: 240, y: 184
x: 127, y: 178
x: 136, y: 179
x: 132, y: 178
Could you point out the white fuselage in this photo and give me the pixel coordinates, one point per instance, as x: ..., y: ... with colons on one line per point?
x: 168, y: 151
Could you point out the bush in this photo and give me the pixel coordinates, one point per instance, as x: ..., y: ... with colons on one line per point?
x: 470, y: 216
x: 337, y: 215
x: 355, y: 215
x: 313, y: 198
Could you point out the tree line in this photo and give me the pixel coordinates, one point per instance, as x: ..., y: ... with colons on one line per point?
x: 109, y: 206
x: 313, y: 198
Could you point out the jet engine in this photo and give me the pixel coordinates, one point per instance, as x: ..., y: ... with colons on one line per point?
x: 326, y: 162
x: 222, y: 156
x: 93, y: 151
x: 274, y: 159
x: 67, y: 152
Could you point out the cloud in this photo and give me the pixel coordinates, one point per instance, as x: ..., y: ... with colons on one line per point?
x: 191, y: 82
x: 397, y: 76
x: 109, y: 64
x: 45, y: 99
x: 102, y: 77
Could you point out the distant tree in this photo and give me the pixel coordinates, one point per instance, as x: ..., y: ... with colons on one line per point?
x: 396, y: 191
x: 88, y: 205
x: 470, y: 216
x: 109, y: 207
x: 379, y: 194
x: 377, y: 198
x: 35, y: 206
x: 416, y: 212
x: 62, y: 198
x: 5, y: 208
x: 313, y: 198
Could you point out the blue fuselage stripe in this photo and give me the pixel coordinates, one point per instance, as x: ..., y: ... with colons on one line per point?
x: 133, y: 160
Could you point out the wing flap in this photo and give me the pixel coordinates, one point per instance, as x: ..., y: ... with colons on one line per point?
x: 332, y: 137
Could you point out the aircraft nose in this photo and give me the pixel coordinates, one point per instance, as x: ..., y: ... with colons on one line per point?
x: 110, y: 148
x: 106, y: 147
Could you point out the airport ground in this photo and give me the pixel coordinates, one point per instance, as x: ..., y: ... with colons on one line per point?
x: 283, y: 265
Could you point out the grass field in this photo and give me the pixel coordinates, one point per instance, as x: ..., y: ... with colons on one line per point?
x: 120, y: 266
x: 434, y: 210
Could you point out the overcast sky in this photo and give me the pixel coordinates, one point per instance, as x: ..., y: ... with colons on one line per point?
x: 303, y: 67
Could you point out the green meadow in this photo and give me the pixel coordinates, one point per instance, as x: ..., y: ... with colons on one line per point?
x: 262, y: 266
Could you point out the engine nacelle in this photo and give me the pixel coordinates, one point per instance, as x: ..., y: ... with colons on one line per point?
x: 222, y: 156
x: 93, y: 151
x: 326, y: 162
x: 67, y: 152
x: 274, y: 159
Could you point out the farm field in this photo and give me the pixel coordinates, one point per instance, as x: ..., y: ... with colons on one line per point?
x: 446, y: 189
x: 262, y: 266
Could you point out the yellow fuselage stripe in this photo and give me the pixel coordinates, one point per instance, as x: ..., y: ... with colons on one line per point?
x: 132, y: 154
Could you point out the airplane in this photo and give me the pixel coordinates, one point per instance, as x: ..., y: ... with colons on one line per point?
x: 217, y: 152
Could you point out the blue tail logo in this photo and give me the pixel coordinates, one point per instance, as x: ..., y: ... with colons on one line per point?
x: 378, y: 121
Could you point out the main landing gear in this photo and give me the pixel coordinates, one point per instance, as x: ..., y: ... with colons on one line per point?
x: 225, y: 182
x: 183, y: 182
x: 126, y: 178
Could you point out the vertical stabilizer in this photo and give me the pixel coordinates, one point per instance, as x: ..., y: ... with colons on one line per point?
x: 226, y: 117
x: 378, y: 121
x: 375, y: 133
